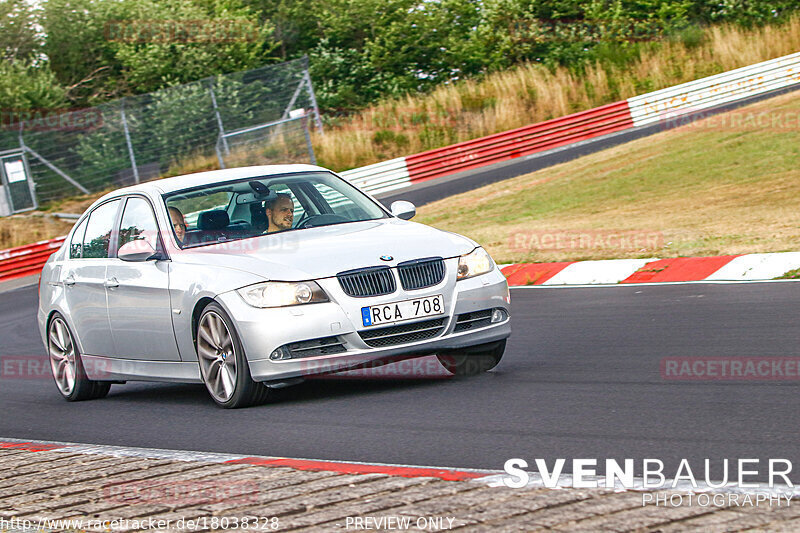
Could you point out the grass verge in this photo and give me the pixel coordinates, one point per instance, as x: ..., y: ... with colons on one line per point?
x: 26, y: 228
x: 792, y: 274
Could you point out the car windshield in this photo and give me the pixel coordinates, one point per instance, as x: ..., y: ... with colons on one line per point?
x: 221, y: 212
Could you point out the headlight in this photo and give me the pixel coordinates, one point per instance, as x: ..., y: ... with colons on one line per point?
x: 474, y: 263
x: 281, y: 294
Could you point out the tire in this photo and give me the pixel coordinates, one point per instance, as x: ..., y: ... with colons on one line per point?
x: 473, y: 360
x: 223, y: 364
x: 66, y: 365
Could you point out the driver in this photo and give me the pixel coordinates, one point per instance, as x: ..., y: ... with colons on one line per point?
x: 280, y: 212
x: 178, y: 222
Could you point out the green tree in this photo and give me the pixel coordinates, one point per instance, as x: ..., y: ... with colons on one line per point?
x: 19, y: 40
x: 27, y: 87
x: 105, y: 49
x: 25, y: 78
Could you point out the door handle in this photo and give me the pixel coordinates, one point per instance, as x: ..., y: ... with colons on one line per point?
x: 69, y: 281
x: 111, y: 283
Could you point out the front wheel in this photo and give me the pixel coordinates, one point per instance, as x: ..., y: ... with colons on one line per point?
x: 67, y: 366
x: 473, y: 360
x: 223, y: 364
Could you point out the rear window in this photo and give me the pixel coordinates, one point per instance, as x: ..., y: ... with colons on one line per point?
x: 76, y: 244
x: 98, y: 230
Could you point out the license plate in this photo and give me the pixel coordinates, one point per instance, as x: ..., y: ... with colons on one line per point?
x: 405, y: 310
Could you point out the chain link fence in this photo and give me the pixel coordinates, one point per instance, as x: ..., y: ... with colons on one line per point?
x: 260, y: 116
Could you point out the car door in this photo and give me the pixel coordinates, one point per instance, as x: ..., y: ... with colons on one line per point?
x: 84, y: 277
x: 138, y: 292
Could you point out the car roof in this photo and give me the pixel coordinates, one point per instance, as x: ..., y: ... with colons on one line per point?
x: 178, y: 183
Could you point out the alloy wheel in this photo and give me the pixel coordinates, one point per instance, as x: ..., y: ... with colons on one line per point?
x: 217, y: 354
x: 62, y: 356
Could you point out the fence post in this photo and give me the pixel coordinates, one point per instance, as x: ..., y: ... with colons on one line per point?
x: 311, y: 155
x: 220, y: 159
x: 55, y: 169
x: 219, y: 118
x: 128, y: 141
x: 317, y: 119
x: 48, y: 164
x: 290, y: 106
x: 28, y: 173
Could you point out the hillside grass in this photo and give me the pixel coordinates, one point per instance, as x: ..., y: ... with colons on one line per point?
x: 532, y: 93
x: 723, y: 185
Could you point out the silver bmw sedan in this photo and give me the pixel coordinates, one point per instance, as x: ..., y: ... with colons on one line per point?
x: 250, y: 279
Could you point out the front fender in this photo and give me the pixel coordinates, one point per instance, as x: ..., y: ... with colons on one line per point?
x: 191, y: 284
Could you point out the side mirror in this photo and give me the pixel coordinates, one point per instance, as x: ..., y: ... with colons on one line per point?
x: 137, y: 251
x: 403, y: 209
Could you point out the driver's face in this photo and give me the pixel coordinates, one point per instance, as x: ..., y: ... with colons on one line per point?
x: 178, y: 223
x: 281, y: 214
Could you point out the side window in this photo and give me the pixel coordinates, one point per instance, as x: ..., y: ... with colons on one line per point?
x: 98, y: 230
x: 138, y: 222
x: 192, y: 206
x: 76, y: 244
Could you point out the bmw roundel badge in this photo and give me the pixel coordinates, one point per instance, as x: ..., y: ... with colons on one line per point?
x: 386, y: 258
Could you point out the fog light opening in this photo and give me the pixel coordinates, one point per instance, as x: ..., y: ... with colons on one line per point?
x: 280, y: 354
x: 499, y: 315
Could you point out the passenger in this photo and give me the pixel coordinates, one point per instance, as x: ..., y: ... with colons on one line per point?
x: 280, y: 212
x: 178, y: 222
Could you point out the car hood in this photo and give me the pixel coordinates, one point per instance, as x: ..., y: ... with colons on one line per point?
x: 322, y: 252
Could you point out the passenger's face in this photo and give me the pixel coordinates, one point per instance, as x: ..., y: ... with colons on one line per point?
x: 178, y: 223
x: 281, y: 214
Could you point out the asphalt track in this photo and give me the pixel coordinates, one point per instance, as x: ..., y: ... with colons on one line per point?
x: 580, y: 379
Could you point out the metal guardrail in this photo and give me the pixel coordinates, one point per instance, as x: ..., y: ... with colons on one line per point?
x: 715, y: 91
x: 511, y: 144
x: 27, y: 260
x: 662, y: 105
x: 380, y: 177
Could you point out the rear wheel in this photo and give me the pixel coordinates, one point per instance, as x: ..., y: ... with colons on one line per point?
x: 223, y: 364
x: 473, y: 360
x: 67, y: 366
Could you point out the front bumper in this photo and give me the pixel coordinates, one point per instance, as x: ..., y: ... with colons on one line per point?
x: 263, y: 330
